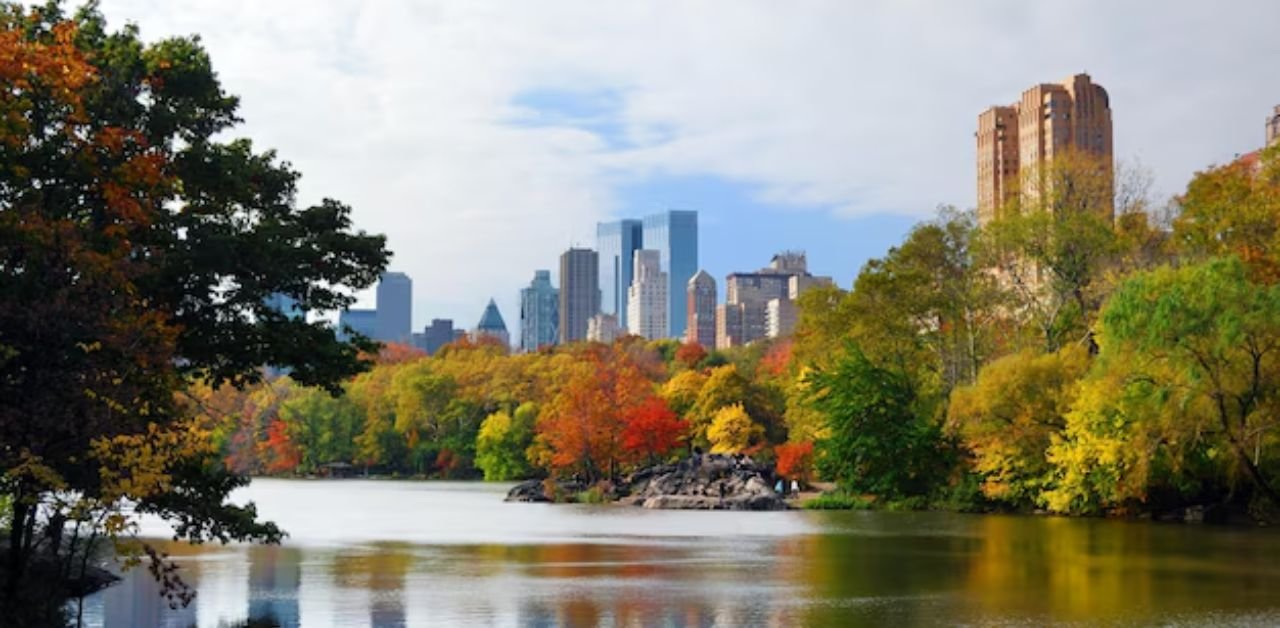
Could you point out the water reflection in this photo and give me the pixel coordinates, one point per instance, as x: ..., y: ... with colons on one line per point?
x: 644, y: 568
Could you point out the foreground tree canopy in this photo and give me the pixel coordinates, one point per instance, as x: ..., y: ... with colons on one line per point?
x: 138, y: 251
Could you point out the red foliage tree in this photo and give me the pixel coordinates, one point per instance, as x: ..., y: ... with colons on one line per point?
x: 283, y: 456
x: 691, y: 354
x: 582, y: 427
x: 795, y: 460
x: 651, y: 430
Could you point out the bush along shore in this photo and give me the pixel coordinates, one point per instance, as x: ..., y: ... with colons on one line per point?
x: 699, y: 482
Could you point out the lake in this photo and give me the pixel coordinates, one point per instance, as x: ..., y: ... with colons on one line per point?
x: 391, y: 553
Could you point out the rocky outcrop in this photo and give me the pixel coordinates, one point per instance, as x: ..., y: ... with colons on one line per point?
x: 705, y: 482
x: 701, y: 482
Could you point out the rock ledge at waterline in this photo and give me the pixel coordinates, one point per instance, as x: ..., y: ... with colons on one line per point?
x: 705, y: 482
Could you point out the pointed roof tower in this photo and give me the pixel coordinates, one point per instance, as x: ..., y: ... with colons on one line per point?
x: 491, y: 320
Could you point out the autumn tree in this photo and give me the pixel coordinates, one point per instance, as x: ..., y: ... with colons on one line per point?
x: 1235, y: 210
x: 795, y: 460
x: 502, y: 441
x: 138, y: 249
x: 732, y: 431
x: 580, y: 431
x: 1009, y: 417
x: 651, y: 430
x: 1184, y: 397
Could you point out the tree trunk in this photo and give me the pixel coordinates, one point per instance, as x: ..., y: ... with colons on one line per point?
x: 1259, y: 480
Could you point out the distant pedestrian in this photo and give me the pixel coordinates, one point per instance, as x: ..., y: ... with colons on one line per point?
x: 795, y: 486
x: 777, y: 488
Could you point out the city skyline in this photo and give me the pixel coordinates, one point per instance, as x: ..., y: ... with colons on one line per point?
x: 548, y: 119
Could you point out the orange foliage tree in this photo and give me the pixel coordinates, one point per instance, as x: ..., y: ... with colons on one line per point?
x: 795, y: 461
x: 581, y: 430
x: 651, y: 430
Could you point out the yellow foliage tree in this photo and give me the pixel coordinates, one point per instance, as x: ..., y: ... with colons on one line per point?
x: 733, y: 431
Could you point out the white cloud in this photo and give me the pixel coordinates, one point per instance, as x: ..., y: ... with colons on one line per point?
x: 404, y: 109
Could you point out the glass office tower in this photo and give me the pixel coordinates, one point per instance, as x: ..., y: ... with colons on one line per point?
x: 616, y: 243
x: 674, y: 234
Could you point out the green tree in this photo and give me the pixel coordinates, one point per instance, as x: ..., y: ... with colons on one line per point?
x: 878, y: 443
x: 138, y: 249
x: 502, y: 441
x: 1185, y: 393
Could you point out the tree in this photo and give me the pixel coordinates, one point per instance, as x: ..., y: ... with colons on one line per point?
x: 795, y: 461
x: 581, y: 429
x: 137, y: 254
x: 651, y: 430
x: 690, y: 354
x: 878, y: 444
x: 502, y: 441
x: 1186, y: 390
x: 732, y: 431
x: 1235, y: 210
x: 1008, y: 418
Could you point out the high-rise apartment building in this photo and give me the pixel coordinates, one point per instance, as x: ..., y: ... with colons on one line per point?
x: 1017, y: 142
x: 761, y: 304
x: 492, y: 326
x: 1273, y: 127
x: 539, y: 312
x: 395, y: 308
x: 616, y: 244
x: 700, y: 308
x: 647, y: 297
x: 674, y: 235
x: 603, y: 328
x: 579, y: 293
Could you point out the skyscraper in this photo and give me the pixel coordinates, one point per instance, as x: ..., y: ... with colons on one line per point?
x: 700, y: 318
x: 1016, y: 142
x: 492, y: 326
x: 617, y: 243
x: 539, y: 312
x: 647, y: 297
x: 579, y: 292
x: 674, y: 235
x: 395, y: 308
x: 762, y: 304
x: 363, y: 322
x: 438, y: 334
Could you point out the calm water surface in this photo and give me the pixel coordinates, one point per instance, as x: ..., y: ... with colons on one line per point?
x: 384, y: 553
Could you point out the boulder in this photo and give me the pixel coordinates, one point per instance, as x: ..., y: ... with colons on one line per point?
x: 527, y: 491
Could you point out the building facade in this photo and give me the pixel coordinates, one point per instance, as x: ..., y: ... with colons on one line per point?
x: 700, y: 310
x: 579, y: 293
x: 395, y: 308
x: 1017, y: 142
x: 438, y: 334
x: 616, y: 244
x: 762, y: 304
x: 363, y: 322
x: 647, y: 298
x: 539, y: 312
x: 674, y: 235
x: 1273, y: 127
x: 491, y: 326
x: 603, y: 328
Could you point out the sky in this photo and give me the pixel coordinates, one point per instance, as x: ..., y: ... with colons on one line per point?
x: 484, y: 137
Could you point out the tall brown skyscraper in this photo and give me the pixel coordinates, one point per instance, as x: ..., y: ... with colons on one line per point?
x: 579, y: 292
x: 1015, y: 142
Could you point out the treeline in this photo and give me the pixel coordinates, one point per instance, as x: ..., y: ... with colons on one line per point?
x: 476, y: 410
x: 1080, y: 352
